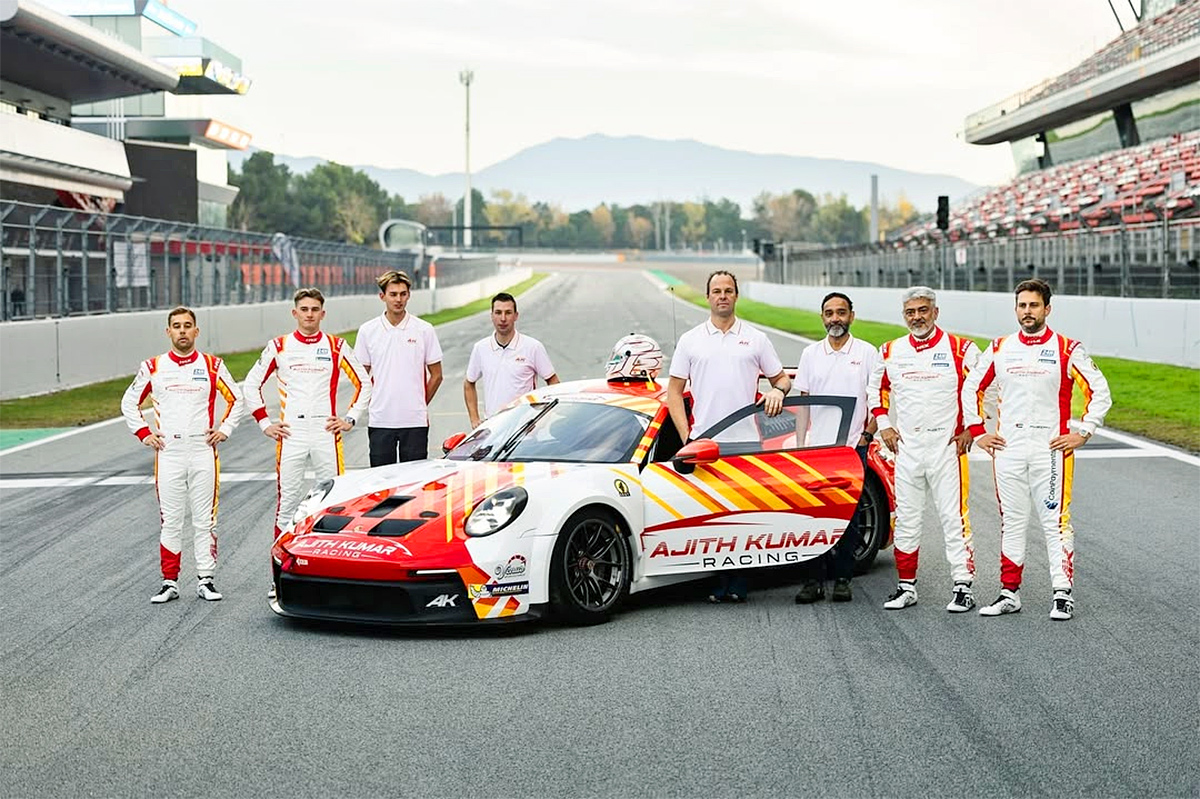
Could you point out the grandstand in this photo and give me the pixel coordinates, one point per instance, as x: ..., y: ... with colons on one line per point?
x: 1107, y: 194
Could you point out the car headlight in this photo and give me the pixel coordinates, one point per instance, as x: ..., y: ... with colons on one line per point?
x: 496, y: 511
x: 310, y: 502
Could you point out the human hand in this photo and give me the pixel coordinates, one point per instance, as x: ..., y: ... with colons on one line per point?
x: 155, y: 442
x: 277, y: 431
x: 772, y: 401
x: 891, y: 438
x: 335, y: 424
x: 213, y: 436
x: 963, y: 442
x: 1068, y: 442
x: 991, y: 443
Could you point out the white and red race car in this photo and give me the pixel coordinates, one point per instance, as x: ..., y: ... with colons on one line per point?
x: 568, y: 501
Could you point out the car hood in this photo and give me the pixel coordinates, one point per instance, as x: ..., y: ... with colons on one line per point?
x: 410, y: 511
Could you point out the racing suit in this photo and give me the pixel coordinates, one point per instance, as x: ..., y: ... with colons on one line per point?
x: 307, y: 370
x: 187, y: 469
x: 1034, y: 376
x: 921, y: 379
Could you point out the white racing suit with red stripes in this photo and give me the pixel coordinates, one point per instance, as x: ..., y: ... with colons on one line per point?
x: 920, y: 381
x: 307, y: 370
x: 1034, y: 376
x: 187, y: 469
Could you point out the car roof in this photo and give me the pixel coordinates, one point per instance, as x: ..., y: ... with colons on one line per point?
x: 643, y: 396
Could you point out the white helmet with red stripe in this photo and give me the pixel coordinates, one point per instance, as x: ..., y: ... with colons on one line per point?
x: 634, y: 357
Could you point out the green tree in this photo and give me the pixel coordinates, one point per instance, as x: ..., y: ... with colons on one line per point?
x: 839, y: 222
x: 262, y: 203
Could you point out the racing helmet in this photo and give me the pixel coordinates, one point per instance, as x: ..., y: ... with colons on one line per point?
x: 634, y: 357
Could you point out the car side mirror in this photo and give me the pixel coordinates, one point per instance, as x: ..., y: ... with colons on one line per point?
x: 698, y: 453
x: 452, y: 442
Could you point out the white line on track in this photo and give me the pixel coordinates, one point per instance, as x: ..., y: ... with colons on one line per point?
x: 59, y: 436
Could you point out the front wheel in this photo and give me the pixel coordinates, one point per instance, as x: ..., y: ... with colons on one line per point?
x: 874, y: 520
x: 590, y: 569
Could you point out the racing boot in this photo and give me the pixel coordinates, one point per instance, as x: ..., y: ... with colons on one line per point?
x: 904, y: 595
x: 168, y: 591
x: 962, y: 599
x: 206, y: 590
x: 1007, y: 602
x: 1062, y: 606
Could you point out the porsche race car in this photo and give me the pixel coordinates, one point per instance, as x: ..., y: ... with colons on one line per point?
x: 571, y: 499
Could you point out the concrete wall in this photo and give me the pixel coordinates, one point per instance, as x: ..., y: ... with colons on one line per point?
x: 45, y: 355
x: 1159, y: 331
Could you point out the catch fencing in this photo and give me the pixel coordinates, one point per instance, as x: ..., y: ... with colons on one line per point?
x: 1158, y: 260
x: 60, y: 262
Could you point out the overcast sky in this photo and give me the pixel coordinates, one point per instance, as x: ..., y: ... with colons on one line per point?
x: 890, y: 81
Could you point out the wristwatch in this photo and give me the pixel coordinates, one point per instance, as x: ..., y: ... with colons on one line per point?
x: 868, y: 435
x: 349, y: 420
x: 1085, y: 435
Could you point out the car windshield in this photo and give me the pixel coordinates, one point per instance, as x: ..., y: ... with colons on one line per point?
x: 562, y: 431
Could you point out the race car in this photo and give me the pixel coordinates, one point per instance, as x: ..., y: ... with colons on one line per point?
x: 572, y: 498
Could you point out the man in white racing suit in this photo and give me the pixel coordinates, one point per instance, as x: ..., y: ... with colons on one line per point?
x: 919, y: 378
x: 183, y: 385
x: 307, y: 366
x: 1034, y: 371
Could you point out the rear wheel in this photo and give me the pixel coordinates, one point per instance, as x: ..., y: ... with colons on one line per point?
x: 874, y: 520
x: 590, y: 568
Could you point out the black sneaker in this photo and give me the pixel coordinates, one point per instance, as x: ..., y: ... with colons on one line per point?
x: 810, y: 591
x: 841, y: 590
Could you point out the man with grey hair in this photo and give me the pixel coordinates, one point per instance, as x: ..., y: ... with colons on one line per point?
x: 914, y: 394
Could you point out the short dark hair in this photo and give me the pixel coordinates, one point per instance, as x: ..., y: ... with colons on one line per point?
x: 390, y: 277
x: 504, y: 296
x: 304, y: 294
x: 178, y: 310
x: 831, y: 295
x: 708, y: 283
x: 1035, y: 284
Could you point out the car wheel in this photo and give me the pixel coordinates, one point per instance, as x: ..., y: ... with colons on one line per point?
x: 590, y: 568
x: 873, y: 522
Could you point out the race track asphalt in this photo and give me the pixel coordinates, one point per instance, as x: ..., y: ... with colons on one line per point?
x: 107, y: 695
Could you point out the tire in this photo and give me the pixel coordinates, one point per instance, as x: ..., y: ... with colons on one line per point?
x: 874, y: 523
x: 590, y: 568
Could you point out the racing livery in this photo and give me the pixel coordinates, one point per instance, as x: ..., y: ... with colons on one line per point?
x: 567, y: 501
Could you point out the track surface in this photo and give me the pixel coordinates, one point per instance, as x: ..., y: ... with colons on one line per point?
x: 107, y: 695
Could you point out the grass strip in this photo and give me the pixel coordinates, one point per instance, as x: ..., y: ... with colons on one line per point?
x: 97, y: 402
x: 1158, y: 401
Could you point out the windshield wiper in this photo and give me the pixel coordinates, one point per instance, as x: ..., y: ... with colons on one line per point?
x: 524, y: 429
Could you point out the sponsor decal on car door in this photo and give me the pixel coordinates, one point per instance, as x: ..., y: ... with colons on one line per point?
x: 772, y: 505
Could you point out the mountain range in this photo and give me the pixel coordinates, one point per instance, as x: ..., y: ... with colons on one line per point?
x: 582, y: 173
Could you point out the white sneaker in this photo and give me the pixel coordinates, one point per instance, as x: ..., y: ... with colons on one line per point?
x: 206, y: 590
x: 1007, y: 602
x: 905, y: 595
x: 963, y: 598
x: 1062, y: 606
x: 168, y: 591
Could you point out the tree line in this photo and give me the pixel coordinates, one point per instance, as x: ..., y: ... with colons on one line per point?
x: 338, y: 203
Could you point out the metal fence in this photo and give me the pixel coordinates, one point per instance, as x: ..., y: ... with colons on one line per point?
x: 1157, y: 260
x: 65, y: 262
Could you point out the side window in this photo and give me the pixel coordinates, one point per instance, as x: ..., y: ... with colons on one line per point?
x: 804, y: 423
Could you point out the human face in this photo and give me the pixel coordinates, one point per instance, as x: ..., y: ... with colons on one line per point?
x: 182, y: 331
x: 722, y: 297
x: 1031, y: 312
x: 837, y: 317
x: 308, y: 314
x: 395, y: 297
x: 504, y: 318
x: 919, y: 315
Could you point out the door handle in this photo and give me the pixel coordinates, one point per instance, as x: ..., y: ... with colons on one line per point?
x: 837, y: 482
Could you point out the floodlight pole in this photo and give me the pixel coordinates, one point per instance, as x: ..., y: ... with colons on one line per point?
x: 465, y: 77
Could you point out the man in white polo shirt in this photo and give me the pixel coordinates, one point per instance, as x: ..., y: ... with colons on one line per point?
x: 509, y: 363
x: 838, y: 365
x: 723, y: 359
x: 404, y: 358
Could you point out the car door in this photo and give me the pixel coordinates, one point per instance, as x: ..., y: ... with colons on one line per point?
x: 754, y: 490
